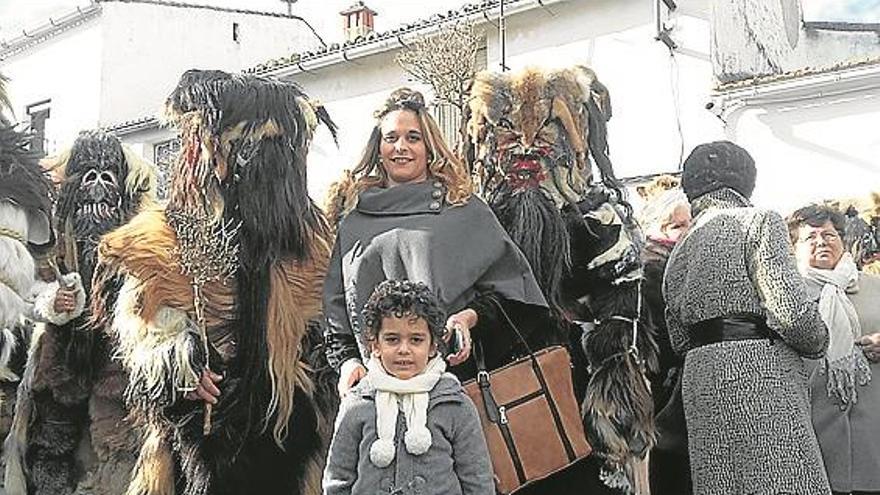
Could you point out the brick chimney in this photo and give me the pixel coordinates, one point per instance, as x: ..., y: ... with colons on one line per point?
x: 357, y: 20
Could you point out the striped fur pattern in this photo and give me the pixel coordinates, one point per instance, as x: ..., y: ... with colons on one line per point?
x: 242, y: 163
x: 534, y: 138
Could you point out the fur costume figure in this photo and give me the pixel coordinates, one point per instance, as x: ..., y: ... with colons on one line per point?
x: 69, y: 427
x: 862, y: 232
x: 25, y: 231
x: 226, y: 278
x: 534, y: 138
x: 25, y: 236
x: 25, y: 209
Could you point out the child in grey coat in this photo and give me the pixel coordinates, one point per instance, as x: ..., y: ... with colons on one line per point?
x: 408, y: 427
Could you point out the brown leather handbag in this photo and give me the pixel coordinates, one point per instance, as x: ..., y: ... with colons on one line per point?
x: 529, y: 415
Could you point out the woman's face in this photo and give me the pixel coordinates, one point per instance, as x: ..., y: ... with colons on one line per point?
x: 402, y: 148
x: 818, y: 247
x: 678, y: 222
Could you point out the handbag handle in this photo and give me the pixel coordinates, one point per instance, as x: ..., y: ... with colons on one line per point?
x: 512, y: 325
x: 477, y: 350
x: 489, y: 403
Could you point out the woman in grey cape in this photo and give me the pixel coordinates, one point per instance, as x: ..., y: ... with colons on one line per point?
x: 407, y: 211
x: 738, y: 309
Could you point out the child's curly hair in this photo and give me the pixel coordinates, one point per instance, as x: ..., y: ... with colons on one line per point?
x: 399, y: 298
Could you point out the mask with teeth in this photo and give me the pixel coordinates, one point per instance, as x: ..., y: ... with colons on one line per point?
x: 103, y: 186
x: 534, y: 136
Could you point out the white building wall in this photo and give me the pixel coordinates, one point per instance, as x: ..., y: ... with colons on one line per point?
x: 148, y: 47
x: 815, y: 143
x: 65, y: 69
x: 812, y: 149
x: 648, y: 88
x: 613, y: 37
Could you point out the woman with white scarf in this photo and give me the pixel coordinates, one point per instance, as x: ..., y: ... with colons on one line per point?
x: 844, y: 384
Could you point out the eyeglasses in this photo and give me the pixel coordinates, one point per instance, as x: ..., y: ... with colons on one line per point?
x: 827, y: 236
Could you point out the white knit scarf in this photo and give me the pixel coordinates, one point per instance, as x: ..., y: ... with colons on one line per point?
x: 413, y: 397
x: 845, y: 363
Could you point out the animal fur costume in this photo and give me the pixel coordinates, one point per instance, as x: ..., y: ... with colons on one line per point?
x: 534, y: 137
x: 240, y: 179
x: 862, y: 230
x: 25, y: 236
x: 72, y: 391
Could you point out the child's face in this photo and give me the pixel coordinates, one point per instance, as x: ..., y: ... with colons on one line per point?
x: 403, y: 346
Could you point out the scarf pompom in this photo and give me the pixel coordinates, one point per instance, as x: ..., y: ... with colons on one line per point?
x: 417, y: 440
x: 382, y: 452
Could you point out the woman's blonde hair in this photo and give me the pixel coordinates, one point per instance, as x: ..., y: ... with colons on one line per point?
x: 443, y: 165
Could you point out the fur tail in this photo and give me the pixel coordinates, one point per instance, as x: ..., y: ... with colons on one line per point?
x: 619, y: 415
x: 340, y: 199
x: 154, y: 472
x: 15, y: 445
x: 311, y: 482
x: 7, y: 347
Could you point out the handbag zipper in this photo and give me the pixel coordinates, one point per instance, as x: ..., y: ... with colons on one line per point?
x: 511, y: 447
x: 522, y: 400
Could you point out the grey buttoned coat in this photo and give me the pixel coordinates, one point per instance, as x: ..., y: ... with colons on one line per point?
x: 456, y: 464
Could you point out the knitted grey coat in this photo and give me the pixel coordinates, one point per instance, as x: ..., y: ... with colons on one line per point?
x: 746, y: 402
x: 456, y: 464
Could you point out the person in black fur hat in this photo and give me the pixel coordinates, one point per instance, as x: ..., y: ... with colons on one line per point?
x: 739, y: 312
x: 715, y: 165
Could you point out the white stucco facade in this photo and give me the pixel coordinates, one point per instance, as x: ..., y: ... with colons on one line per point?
x: 117, y: 61
x: 812, y: 149
x: 804, y: 101
x: 147, y: 47
x: 66, y: 71
x: 613, y: 37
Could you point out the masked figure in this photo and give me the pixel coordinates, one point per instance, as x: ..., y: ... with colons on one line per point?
x: 210, y: 298
x: 534, y: 138
x: 72, y: 391
x: 25, y: 236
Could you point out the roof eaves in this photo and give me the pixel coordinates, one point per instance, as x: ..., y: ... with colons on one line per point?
x: 796, y: 74
x: 376, y: 42
x: 183, y: 5
x: 46, y: 31
x: 132, y: 126
x: 843, y: 26
x: 807, y: 83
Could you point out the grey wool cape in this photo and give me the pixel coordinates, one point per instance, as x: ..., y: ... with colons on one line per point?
x: 746, y: 402
x: 409, y: 232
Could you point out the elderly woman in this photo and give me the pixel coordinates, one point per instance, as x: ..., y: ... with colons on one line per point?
x: 739, y: 311
x: 415, y: 217
x: 665, y: 217
x: 845, y: 395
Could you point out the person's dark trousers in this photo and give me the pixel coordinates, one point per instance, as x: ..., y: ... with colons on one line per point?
x: 669, y: 467
x: 670, y: 473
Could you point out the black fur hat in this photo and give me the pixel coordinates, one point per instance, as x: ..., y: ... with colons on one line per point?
x: 711, y: 166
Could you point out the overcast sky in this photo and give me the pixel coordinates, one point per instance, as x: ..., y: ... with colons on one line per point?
x: 841, y: 10
x: 322, y: 14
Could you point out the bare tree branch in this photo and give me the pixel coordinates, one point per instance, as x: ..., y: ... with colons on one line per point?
x: 447, y: 62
